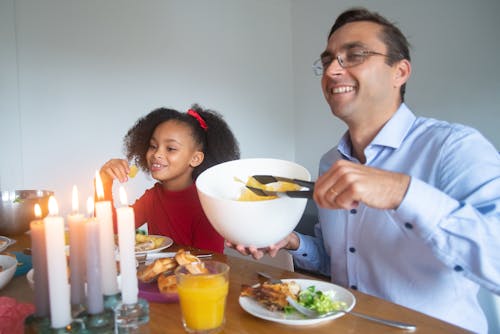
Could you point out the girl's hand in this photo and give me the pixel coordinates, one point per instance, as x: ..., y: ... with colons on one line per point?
x: 115, y: 169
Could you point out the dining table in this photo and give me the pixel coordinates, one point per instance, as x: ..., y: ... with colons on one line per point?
x: 165, y: 317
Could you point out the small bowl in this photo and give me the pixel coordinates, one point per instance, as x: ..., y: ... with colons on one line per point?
x: 250, y: 223
x: 5, y: 242
x: 9, y: 265
x: 17, y: 209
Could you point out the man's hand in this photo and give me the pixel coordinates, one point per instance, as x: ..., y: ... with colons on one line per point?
x: 346, y: 184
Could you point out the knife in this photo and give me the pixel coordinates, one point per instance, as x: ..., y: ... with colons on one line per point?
x: 142, y: 258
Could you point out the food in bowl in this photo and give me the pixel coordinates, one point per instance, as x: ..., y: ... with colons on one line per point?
x: 249, y: 195
x: 17, y: 209
x: 250, y: 223
x: 9, y: 265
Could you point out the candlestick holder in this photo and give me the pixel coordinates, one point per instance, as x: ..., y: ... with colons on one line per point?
x: 37, y: 324
x: 111, y: 301
x: 132, y: 318
x: 103, y: 322
x: 42, y: 326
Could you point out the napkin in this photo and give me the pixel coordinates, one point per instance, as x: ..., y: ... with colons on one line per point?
x: 24, y: 263
x: 12, y: 315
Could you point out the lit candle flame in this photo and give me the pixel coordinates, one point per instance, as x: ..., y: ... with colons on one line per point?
x: 75, y: 199
x: 98, y: 186
x: 123, y: 196
x: 38, y: 211
x: 90, y: 206
x: 53, y: 208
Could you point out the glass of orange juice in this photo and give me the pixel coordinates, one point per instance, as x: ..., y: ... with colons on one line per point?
x: 202, y: 289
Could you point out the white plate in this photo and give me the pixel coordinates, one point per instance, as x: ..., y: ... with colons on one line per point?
x: 167, y: 242
x: 258, y: 310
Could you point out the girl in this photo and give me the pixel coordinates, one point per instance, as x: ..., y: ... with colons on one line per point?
x: 174, y: 148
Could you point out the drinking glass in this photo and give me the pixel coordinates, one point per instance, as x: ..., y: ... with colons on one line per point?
x: 202, y: 289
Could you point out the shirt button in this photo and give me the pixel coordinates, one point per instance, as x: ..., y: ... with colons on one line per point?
x: 354, y: 287
x: 458, y: 268
x: 304, y: 254
x: 408, y: 226
x: 352, y: 249
x: 354, y: 211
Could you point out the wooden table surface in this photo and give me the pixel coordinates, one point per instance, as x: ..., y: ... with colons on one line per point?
x: 167, y: 317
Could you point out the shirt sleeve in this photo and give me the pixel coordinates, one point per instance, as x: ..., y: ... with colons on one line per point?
x: 459, y: 216
x: 311, y: 254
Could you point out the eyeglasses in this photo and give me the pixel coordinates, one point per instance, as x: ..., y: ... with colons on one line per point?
x: 350, y: 58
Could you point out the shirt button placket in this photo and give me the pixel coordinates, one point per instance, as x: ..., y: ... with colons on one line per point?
x: 351, y: 217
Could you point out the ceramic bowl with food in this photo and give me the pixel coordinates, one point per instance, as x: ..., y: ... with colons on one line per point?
x: 250, y: 223
x: 8, y: 266
x: 17, y: 209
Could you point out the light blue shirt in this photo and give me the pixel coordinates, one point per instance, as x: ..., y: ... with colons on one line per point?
x: 442, y: 242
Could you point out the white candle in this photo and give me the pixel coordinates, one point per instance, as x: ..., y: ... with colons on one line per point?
x: 95, y: 300
x: 76, y: 223
x: 126, y: 242
x: 39, y: 259
x: 104, y: 216
x: 60, y: 309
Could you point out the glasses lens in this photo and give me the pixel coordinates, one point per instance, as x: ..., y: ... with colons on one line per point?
x: 354, y: 57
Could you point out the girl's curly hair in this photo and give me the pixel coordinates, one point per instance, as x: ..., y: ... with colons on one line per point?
x: 217, y: 142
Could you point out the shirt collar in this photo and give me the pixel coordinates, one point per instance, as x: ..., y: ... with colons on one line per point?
x: 391, y: 135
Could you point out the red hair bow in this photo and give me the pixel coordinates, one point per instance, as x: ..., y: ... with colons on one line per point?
x: 200, y: 120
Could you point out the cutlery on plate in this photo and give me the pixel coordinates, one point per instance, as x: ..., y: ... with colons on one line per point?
x: 142, y: 258
x: 313, y: 314
x: 269, y: 278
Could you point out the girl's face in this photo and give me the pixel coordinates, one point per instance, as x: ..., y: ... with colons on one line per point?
x: 173, y: 154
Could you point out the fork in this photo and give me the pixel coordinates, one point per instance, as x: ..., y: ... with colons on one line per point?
x: 313, y: 314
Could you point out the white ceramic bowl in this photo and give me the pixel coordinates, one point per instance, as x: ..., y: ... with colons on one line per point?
x: 9, y: 265
x: 250, y: 223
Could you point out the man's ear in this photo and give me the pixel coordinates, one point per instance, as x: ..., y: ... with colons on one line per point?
x: 402, y: 73
x: 197, y: 159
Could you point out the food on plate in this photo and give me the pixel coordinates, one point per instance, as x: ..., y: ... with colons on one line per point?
x: 248, y: 195
x: 272, y: 295
x: 167, y: 284
x: 150, y: 272
x: 162, y: 270
x: 321, y: 302
x: 147, y: 242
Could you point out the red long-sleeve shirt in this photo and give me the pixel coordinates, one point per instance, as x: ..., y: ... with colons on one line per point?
x: 176, y: 214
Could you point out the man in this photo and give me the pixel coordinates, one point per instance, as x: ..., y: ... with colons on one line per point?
x: 408, y: 207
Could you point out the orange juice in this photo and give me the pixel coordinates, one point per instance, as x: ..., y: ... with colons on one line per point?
x: 202, y: 299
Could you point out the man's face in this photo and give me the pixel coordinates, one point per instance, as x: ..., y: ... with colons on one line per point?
x: 357, y: 94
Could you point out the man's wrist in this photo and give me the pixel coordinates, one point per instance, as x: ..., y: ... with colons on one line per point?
x: 293, y: 242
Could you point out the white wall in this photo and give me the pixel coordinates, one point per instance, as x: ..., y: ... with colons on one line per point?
x: 77, y: 74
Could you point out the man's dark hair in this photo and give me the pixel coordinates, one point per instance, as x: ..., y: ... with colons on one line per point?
x: 397, y: 45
